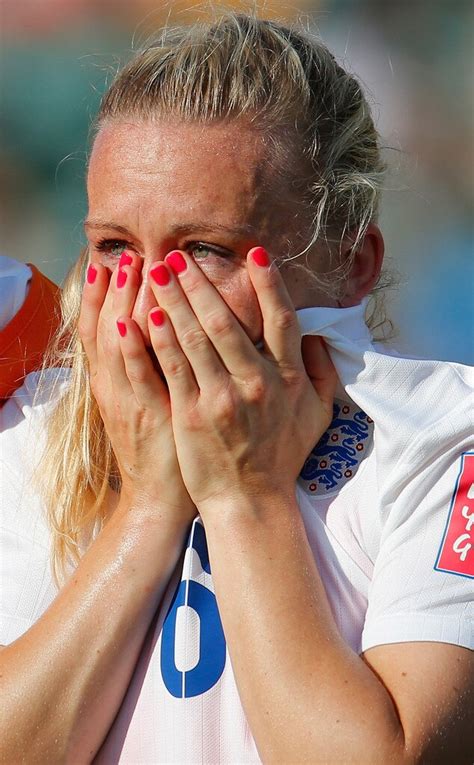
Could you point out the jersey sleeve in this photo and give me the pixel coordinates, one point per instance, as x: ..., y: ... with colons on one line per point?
x: 27, y: 326
x: 26, y: 582
x: 14, y: 281
x: 423, y: 581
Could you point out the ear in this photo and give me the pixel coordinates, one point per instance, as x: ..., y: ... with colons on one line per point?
x: 366, y: 267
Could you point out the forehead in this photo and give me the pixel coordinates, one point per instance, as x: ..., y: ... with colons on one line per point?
x: 214, y: 169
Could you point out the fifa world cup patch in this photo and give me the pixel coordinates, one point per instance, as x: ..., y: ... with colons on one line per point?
x: 456, y: 554
x: 336, y: 457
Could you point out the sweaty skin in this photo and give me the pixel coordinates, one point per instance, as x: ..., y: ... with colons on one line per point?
x: 167, y: 176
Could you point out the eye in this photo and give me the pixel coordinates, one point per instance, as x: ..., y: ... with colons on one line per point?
x: 201, y: 250
x: 112, y: 247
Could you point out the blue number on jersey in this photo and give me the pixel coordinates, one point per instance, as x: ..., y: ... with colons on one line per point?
x: 212, y: 647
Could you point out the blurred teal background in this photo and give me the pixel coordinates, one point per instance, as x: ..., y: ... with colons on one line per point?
x: 415, y: 59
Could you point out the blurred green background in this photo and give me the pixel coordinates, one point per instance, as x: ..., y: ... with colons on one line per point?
x: 414, y: 57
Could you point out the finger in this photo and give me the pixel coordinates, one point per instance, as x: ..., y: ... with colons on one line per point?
x: 93, y: 297
x: 119, y: 300
x: 144, y: 379
x: 233, y: 345
x: 281, y: 331
x: 125, y: 283
x: 123, y: 288
x: 320, y: 369
x: 188, y: 331
x: 176, y: 368
x: 130, y: 258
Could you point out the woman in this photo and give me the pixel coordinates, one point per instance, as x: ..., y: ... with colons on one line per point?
x: 209, y: 610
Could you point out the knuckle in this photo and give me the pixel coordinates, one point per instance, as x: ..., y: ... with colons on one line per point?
x: 284, y: 318
x: 174, y: 299
x: 174, y: 366
x: 219, y: 323
x: 137, y: 374
x: 193, y: 339
x: 256, y: 389
x: 192, y: 284
x: 225, y: 409
x: 133, y: 354
x: 293, y: 377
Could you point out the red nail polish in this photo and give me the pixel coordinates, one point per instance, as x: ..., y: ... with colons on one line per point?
x: 260, y: 257
x: 91, y: 274
x: 157, y: 316
x: 177, y: 262
x: 125, y: 259
x: 160, y: 275
x: 121, y: 278
x: 122, y: 328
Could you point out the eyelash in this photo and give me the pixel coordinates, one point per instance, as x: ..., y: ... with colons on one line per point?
x: 106, y: 245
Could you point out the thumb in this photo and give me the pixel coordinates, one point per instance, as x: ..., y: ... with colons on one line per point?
x: 319, y: 369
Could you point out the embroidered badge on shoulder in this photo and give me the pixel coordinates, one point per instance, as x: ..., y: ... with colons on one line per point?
x: 338, y: 454
x: 456, y: 554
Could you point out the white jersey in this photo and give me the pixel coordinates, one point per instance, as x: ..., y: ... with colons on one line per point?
x: 387, y: 498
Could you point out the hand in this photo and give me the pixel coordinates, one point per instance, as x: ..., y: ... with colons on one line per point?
x: 244, y: 421
x: 132, y: 398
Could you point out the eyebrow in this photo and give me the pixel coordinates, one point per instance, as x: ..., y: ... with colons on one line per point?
x: 178, y: 228
x: 100, y: 224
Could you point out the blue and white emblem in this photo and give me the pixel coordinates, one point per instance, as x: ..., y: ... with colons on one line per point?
x: 338, y: 454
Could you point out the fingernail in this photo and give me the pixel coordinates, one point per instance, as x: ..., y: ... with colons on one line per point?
x: 125, y: 259
x: 121, y: 278
x: 176, y: 261
x: 91, y: 274
x: 157, y: 316
x: 160, y: 275
x: 260, y: 257
x: 122, y: 328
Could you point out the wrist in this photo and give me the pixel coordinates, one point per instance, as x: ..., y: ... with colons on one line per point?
x: 148, y: 513
x: 256, y: 506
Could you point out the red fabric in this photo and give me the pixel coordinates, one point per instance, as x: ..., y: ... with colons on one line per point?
x: 25, y: 338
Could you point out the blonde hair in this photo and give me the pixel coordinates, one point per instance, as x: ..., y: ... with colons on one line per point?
x: 285, y: 83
